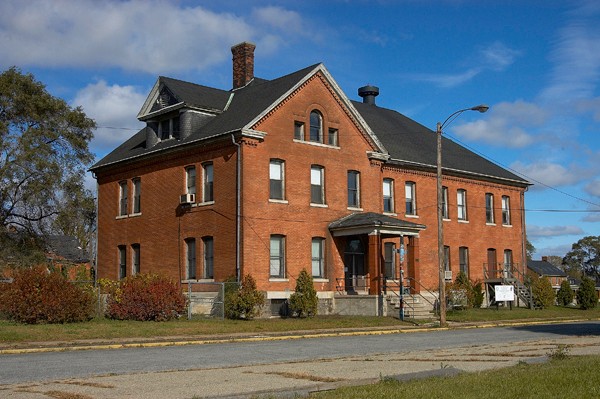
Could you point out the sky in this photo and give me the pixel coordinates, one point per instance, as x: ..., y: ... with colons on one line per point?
x: 536, y: 63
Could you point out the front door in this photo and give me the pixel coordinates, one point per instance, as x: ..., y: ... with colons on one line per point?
x: 354, y: 266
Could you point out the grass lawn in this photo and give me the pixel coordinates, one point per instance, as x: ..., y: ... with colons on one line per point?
x: 104, y: 329
x: 575, y: 377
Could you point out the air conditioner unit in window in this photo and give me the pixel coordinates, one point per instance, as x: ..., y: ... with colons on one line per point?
x: 187, y: 199
x: 448, y: 275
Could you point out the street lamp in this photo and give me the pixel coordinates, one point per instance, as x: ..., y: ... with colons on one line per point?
x: 442, y: 297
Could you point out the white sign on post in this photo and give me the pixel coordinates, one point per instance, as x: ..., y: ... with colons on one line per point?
x: 505, y: 293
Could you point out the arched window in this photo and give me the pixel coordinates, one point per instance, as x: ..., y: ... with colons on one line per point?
x: 316, y: 127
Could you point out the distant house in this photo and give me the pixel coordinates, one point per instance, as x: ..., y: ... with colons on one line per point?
x: 274, y: 176
x: 65, y: 253
x: 543, y: 268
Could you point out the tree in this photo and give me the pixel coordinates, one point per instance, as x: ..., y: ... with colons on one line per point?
x: 245, y: 301
x: 584, y: 257
x: 565, y: 294
x: 304, y: 302
x: 543, y: 294
x: 529, y: 249
x: 43, y: 156
x: 586, y: 295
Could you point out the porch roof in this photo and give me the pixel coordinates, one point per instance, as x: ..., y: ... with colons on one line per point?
x: 373, y: 223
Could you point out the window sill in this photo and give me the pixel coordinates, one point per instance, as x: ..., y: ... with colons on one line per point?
x: 278, y: 280
x: 204, y: 203
x: 412, y: 216
x: 390, y: 214
x: 132, y: 215
x: 490, y: 224
x: 320, y: 280
x: 319, y: 205
x: 507, y: 225
x: 352, y: 208
x: 335, y: 147
x: 447, y: 220
x: 278, y: 201
x: 121, y: 217
x: 463, y: 221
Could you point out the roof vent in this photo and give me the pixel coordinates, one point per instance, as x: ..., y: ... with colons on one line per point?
x: 368, y: 94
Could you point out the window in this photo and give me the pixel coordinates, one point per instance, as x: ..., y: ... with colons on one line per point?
x: 333, y: 137
x: 318, y: 258
x: 508, y: 259
x: 506, y: 210
x: 447, y: 258
x: 168, y: 128
x: 410, y: 193
x: 276, y: 187
x: 316, y: 127
x: 299, y: 130
x: 388, y: 195
x: 390, y: 260
x: 135, y: 259
x: 190, y: 180
x: 208, y: 243
x: 489, y: 208
x: 122, y: 261
x: 123, y: 198
x: 208, y: 182
x: 277, y: 257
x: 317, y: 185
x: 461, y: 201
x: 445, y: 213
x: 353, y: 189
x: 463, y: 259
x: 190, y: 267
x: 137, y: 195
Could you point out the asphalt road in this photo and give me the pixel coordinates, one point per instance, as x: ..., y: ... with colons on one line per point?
x: 37, y: 367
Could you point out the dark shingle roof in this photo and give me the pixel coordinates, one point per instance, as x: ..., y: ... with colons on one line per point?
x: 544, y: 268
x: 410, y: 142
x: 366, y: 219
x: 67, y: 247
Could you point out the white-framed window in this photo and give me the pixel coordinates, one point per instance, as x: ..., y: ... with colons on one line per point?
x: 353, y: 189
x: 190, y: 259
x: 447, y: 266
x: 190, y: 180
x: 463, y: 259
x: 332, y: 138
x: 299, y: 130
x: 318, y: 257
x: 445, y: 213
x: 508, y: 259
x: 123, y: 191
x: 461, y: 202
x: 122, y: 253
x: 506, y: 210
x: 276, y: 179
x: 317, y: 184
x: 316, y: 127
x: 410, y: 190
x: 168, y: 128
x: 137, y: 195
x: 489, y: 208
x: 208, y: 244
x: 207, y: 179
x: 135, y: 259
x: 277, y: 256
x: 390, y: 260
x: 388, y: 195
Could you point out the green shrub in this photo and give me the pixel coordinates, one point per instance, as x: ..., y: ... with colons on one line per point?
x: 565, y: 294
x: 145, y: 297
x: 478, y: 295
x: 39, y: 296
x: 464, y: 293
x: 243, y: 301
x: 586, y: 295
x: 543, y: 293
x: 303, y: 302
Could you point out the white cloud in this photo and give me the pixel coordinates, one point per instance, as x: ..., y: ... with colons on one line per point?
x: 498, y: 56
x: 506, y: 126
x: 544, y: 174
x: 155, y: 36
x: 552, y: 231
x: 592, y: 217
x: 114, y: 108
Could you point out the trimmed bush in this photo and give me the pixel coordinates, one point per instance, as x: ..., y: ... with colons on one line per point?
x: 303, y: 302
x: 478, y: 295
x: 144, y: 297
x: 586, y: 295
x: 243, y: 301
x: 543, y: 293
x: 39, y: 296
x: 565, y: 294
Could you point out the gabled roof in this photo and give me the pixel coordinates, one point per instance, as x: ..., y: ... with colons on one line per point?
x: 367, y: 221
x: 68, y: 248
x: 392, y: 135
x: 545, y: 268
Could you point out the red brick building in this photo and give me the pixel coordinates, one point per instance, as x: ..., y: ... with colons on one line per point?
x: 278, y: 175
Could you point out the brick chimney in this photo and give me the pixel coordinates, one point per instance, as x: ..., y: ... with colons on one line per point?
x: 243, y: 64
x: 544, y: 258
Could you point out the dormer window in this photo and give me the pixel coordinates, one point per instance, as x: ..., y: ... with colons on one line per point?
x: 168, y: 128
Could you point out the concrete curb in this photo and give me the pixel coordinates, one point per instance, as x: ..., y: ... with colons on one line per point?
x: 261, y: 338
